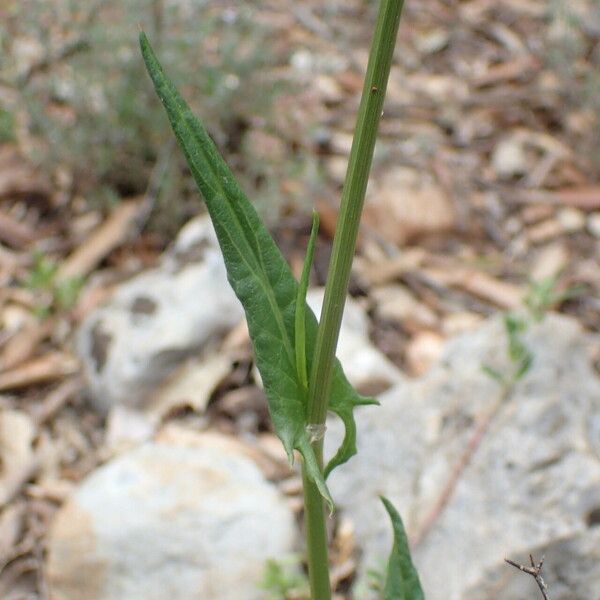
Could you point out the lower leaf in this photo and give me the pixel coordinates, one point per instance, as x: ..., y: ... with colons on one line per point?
x: 402, y: 581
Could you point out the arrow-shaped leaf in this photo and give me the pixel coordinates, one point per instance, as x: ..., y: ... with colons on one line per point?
x: 262, y: 280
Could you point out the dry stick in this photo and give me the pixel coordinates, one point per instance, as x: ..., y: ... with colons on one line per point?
x: 535, y: 571
x: 458, y: 469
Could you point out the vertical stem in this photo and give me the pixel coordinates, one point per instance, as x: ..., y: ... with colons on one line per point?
x: 316, y: 534
x: 344, y: 243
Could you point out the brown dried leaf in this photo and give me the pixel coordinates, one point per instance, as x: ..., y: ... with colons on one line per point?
x: 11, y: 528
x: 403, y: 207
x: 102, y: 241
x: 49, y: 367
x: 501, y: 293
x: 24, y: 344
x: 584, y: 197
x: 380, y: 271
x: 17, y: 457
x: 191, y: 385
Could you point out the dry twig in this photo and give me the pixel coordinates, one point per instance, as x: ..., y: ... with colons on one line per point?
x: 535, y: 571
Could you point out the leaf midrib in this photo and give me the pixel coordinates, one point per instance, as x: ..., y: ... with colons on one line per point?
x: 260, y: 274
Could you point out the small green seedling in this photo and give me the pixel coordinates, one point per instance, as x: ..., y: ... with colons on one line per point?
x: 519, y: 355
x: 544, y: 295
x: 375, y: 580
x: 283, y: 580
x: 294, y: 353
x: 52, y: 294
x: 541, y: 297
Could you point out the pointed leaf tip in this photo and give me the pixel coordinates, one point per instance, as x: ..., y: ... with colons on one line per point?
x: 402, y: 582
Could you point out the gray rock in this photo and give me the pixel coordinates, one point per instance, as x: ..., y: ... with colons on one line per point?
x: 157, y: 319
x: 534, y: 479
x: 186, y: 518
x: 366, y: 367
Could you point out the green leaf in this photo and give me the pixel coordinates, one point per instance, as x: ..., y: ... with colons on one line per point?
x: 493, y: 373
x: 262, y: 280
x: 300, y: 317
x: 402, y: 581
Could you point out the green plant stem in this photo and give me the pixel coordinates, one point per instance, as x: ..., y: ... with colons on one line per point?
x: 316, y: 534
x: 344, y: 243
x: 353, y: 196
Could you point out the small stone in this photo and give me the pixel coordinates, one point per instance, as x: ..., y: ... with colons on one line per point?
x: 329, y: 89
x: 550, y: 261
x: 186, y: 518
x: 336, y: 167
x: 509, y: 158
x: 422, y: 351
x: 571, y: 219
x: 397, y: 303
x: 432, y: 41
x: 593, y: 224
x: 302, y: 60
x: 341, y: 143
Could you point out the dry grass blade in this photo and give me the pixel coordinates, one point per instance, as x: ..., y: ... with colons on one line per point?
x: 23, y: 344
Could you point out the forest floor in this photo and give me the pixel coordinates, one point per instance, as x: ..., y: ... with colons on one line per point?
x: 484, y: 198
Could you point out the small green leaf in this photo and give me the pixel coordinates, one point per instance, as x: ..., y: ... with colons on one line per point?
x: 493, y: 373
x: 262, y: 280
x: 300, y: 318
x: 283, y: 579
x: 523, y: 366
x: 402, y: 581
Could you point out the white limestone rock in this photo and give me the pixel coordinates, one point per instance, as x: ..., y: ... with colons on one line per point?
x: 189, y: 517
x: 156, y: 320
x: 535, y: 478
